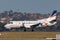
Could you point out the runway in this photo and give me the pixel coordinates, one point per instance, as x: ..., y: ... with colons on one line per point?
x: 27, y: 35
x: 22, y: 39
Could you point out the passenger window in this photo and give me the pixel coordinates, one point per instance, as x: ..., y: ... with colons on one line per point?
x: 10, y: 22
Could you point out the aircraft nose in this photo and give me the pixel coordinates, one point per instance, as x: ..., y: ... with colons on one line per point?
x: 7, y: 26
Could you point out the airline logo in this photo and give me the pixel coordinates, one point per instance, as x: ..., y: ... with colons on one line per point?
x: 54, y: 13
x: 45, y: 23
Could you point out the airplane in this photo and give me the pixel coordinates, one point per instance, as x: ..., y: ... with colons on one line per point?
x: 51, y: 20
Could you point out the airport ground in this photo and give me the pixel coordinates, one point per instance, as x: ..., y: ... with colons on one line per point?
x: 27, y: 35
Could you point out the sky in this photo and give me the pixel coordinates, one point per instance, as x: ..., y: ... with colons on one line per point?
x: 30, y: 6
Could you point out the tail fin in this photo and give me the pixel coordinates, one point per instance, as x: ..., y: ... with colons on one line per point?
x: 53, y: 17
x: 54, y: 13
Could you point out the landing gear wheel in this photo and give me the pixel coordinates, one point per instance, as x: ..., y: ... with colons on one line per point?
x: 23, y: 28
x: 32, y: 28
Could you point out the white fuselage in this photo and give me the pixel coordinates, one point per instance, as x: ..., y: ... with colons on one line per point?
x: 28, y: 24
x: 13, y: 24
